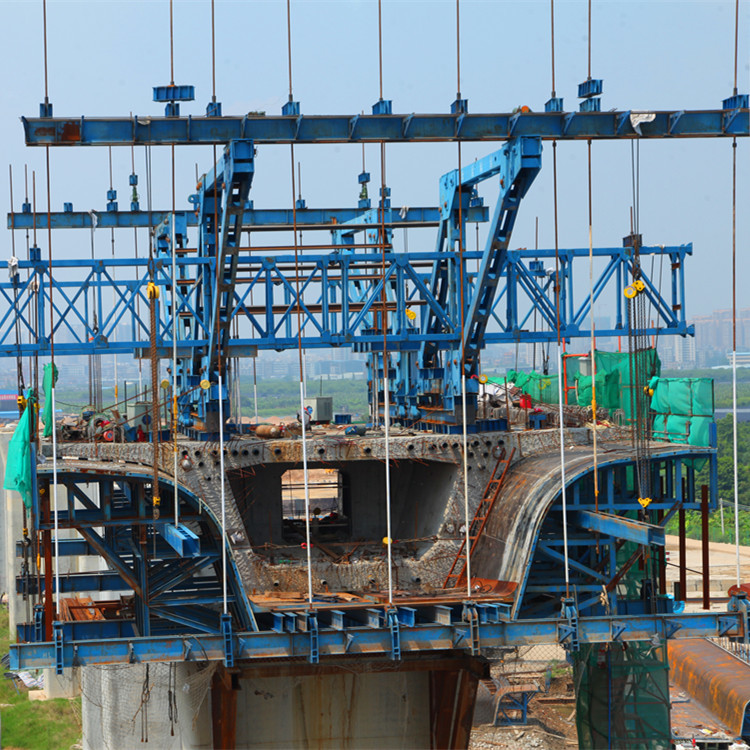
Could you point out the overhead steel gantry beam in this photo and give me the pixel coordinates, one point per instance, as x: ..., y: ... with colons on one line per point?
x: 139, y: 130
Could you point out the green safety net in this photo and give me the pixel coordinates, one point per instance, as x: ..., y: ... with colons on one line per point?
x: 542, y: 388
x: 614, y: 380
x: 18, y: 466
x: 48, y: 384
x: 622, y: 696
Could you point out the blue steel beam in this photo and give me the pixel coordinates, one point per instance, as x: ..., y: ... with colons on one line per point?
x: 253, y: 219
x: 142, y: 130
x: 361, y: 641
x: 620, y: 527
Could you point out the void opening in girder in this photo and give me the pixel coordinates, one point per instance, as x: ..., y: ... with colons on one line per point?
x: 350, y: 500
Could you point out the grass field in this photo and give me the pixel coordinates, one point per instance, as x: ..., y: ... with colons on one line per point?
x: 34, y: 725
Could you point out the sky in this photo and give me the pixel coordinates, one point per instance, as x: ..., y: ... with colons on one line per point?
x: 104, y: 58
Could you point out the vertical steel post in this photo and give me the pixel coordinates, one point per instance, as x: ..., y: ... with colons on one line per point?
x: 49, y: 604
x: 662, y: 559
x: 683, y: 557
x: 704, y: 548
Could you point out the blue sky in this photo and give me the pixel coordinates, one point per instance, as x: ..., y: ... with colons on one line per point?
x: 105, y: 56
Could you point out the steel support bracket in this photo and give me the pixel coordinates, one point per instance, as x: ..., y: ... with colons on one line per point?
x: 311, y: 622
x: 39, y: 623
x: 567, y: 632
x: 726, y: 624
x: 227, y: 639
x: 57, y: 638
x: 739, y: 604
x: 670, y: 628
x: 618, y: 628
x: 471, y: 616
x: 391, y: 617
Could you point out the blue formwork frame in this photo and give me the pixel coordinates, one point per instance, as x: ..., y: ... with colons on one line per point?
x: 339, y: 309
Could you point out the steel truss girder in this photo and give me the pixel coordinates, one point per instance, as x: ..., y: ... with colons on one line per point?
x: 376, y: 641
x: 147, y: 130
x: 335, y: 311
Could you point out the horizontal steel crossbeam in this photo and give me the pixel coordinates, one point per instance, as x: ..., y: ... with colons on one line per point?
x: 260, y: 128
x: 375, y: 641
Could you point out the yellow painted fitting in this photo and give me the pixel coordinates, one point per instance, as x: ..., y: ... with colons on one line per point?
x: 483, y: 378
x: 387, y: 540
x: 639, y: 285
x: 411, y: 314
x: 152, y: 291
x: 644, y: 501
x: 164, y: 384
x: 205, y: 384
x: 630, y: 292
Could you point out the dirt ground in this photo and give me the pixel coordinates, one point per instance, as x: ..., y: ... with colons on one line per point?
x: 551, y: 724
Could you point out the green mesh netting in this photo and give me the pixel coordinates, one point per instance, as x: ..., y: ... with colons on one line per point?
x: 614, y: 376
x: 622, y: 696
x: 542, y: 388
x: 18, y: 466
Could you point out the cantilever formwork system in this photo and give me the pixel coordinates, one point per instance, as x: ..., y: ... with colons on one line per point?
x: 550, y: 563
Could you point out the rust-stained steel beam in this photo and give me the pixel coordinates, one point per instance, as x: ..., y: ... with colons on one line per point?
x: 705, y: 549
x: 683, y: 556
x: 224, y: 688
x: 712, y: 676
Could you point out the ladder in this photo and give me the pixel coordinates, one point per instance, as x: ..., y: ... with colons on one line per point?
x: 492, y: 490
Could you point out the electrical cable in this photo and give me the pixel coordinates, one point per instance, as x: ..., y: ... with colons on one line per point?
x: 734, y: 356
x: 464, y: 424
x: 300, y: 352
x: 384, y: 322
x: 175, y: 333
x: 591, y: 314
x: 561, y: 415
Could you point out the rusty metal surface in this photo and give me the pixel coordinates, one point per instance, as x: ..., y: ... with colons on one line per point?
x: 689, y: 719
x: 713, y: 677
x: 531, y: 487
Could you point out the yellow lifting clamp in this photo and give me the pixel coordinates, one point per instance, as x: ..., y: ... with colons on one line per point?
x: 152, y: 291
x: 410, y: 314
x: 639, y: 285
x: 630, y: 292
x: 644, y: 501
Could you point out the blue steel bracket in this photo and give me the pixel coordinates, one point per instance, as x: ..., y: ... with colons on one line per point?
x: 182, y: 540
x: 471, y: 616
x: 311, y: 623
x: 618, y: 628
x: 568, y: 631
x: 57, y: 639
x: 391, y: 617
x: 228, y: 640
x: 38, y: 623
x: 739, y: 604
x: 671, y: 627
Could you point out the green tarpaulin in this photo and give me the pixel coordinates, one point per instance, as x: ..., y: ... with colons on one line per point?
x: 47, y: 384
x: 18, y: 467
